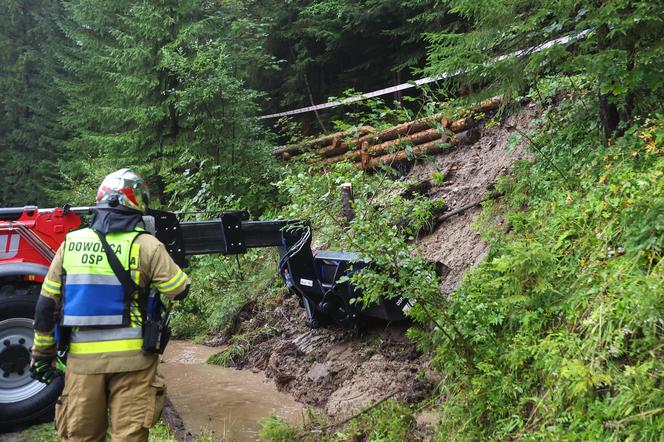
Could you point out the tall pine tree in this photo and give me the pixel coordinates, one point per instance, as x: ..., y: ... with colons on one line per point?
x: 30, y: 133
x: 329, y: 46
x: 621, y: 50
x: 156, y: 86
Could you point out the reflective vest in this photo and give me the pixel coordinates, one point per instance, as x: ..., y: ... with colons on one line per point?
x: 94, y: 302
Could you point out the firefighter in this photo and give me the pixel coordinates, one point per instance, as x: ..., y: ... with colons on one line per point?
x: 109, y: 369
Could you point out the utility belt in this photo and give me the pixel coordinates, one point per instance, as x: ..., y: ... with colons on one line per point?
x: 156, y: 329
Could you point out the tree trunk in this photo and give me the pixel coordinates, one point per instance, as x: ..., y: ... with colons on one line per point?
x: 608, y: 114
x: 347, y: 203
x: 608, y: 111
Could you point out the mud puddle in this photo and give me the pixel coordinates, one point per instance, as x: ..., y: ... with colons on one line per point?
x: 228, y: 402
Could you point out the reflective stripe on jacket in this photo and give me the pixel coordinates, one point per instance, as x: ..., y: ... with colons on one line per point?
x: 93, y: 295
x: 95, y: 298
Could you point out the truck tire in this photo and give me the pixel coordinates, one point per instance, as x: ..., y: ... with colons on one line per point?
x: 23, y: 400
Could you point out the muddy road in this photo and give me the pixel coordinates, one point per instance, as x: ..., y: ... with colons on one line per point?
x: 228, y: 402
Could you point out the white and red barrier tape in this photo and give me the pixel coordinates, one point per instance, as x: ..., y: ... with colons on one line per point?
x: 416, y: 83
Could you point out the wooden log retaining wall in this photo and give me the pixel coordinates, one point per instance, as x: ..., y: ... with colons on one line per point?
x: 368, y: 148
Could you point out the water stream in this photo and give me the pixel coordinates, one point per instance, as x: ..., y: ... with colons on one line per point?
x: 228, y: 402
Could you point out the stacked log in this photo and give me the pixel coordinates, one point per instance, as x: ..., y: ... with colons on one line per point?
x: 326, y: 145
x: 368, y: 148
x: 431, y: 148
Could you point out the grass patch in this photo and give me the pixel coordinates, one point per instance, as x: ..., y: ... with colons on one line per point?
x: 41, y: 433
x: 240, y: 345
x: 388, y: 422
x: 231, y: 357
x: 276, y: 429
x: 46, y: 433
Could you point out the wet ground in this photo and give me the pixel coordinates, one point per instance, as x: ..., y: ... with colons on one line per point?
x: 341, y: 374
x: 226, y: 401
x: 469, y: 172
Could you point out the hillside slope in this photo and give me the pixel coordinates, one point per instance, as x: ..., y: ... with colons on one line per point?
x: 556, y: 332
x: 331, y: 369
x: 469, y: 173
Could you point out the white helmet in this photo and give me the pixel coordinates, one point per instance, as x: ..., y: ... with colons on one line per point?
x: 124, y: 188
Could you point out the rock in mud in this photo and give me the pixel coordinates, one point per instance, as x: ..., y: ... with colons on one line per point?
x: 282, y: 362
x: 318, y: 371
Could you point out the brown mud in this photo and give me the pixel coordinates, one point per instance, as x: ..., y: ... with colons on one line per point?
x: 331, y: 369
x: 469, y: 173
x: 206, y: 398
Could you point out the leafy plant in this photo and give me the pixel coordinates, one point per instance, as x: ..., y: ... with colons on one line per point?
x: 219, y: 292
x: 618, y: 46
x: 564, y: 315
x: 275, y: 429
x: 383, y: 230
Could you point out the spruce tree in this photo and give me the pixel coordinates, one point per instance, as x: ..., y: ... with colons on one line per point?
x: 619, y: 48
x: 330, y: 46
x: 156, y: 86
x: 30, y: 133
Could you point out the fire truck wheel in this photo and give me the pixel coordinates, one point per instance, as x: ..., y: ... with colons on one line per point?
x: 23, y: 400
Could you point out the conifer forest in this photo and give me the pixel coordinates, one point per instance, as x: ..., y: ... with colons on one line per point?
x: 514, y: 198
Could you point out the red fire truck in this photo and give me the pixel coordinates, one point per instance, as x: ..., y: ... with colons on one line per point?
x: 28, y: 241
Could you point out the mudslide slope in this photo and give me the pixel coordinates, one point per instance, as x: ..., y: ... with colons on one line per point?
x: 328, y: 367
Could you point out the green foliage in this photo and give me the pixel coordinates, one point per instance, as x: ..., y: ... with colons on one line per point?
x: 234, y: 356
x: 30, y: 136
x: 622, y: 52
x: 220, y: 290
x: 41, y: 433
x: 158, y: 86
x: 276, y: 429
x: 373, y: 112
x: 389, y: 422
x: 230, y: 357
x: 161, y: 433
x: 564, y: 315
x: 78, y: 186
x: 46, y: 433
x: 327, y: 46
x: 383, y: 230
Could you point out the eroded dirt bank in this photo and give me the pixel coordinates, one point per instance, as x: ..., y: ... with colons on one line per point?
x: 331, y: 369
x: 468, y: 174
